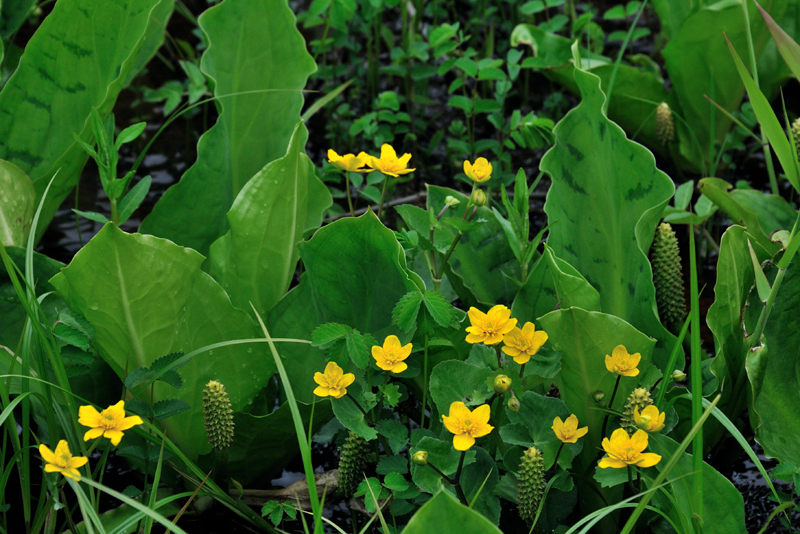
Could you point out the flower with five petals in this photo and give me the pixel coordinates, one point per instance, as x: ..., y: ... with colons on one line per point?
x: 349, y: 162
x: 624, y: 450
x: 467, y: 425
x: 568, y: 431
x: 524, y: 343
x: 390, y: 357
x: 109, y: 423
x: 62, y: 460
x: 333, y: 382
x: 650, y: 420
x: 621, y: 363
x: 389, y: 164
x: 480, y: 171
x: 489, y: 328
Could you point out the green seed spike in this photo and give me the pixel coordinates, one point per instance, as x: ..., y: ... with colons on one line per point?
x: 639, y: 398
x: 530, y: 483
x: 665, y: 124
x: 667, y: 276
x: 796, y: 134
x: 352, y: 463
x: 217, y: 415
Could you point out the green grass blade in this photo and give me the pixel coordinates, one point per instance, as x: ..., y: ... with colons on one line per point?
x: 696, y: 379
x: 148, y: 523
x: 324, y: 101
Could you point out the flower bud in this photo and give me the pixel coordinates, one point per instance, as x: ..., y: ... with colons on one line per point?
x: 513, y: 404
x: 420, y: 458
x: 217, y: 415
x: 502, y: 384
x: 598, y: 396
x: 678, y: 375
x: 451, y: 201
x: 479, y: 198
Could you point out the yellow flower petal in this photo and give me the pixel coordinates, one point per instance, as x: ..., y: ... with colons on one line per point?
x: 399, y: 367
x: 321, y: 391
x: 522, y: 359
x: 88, y: 416
x: 47, y: 454
x: 481, y: 414
x: 648, y: 459
x: 607, y: 461
x: 114, y: 435
x: 93, y: 433
x: 348, y: 379
x: 462, y: 442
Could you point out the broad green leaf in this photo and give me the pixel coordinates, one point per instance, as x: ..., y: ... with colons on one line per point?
x: 773, y: 211
x: 443, y: 514
x: 395, y: 432
x: 350, y: 416
x: 586, y: 338
x: 355, y: 274
x: 604, y: 205
x: 444, y: 456
x: 80, y: 58
x: 779, y: 394
x: 454, y: 380
x: 482, y: 261
x: 252, y: 129
x: 147, y: 297
x: 255, y: 261
x: 768, y: 121
x: 723, y: 506
x: 17, y: 204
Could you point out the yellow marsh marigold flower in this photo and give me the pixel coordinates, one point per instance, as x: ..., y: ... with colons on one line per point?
x: 480, y: 171
x: 62, y: 461
x: 522, y: 344
x: 467, y: 425
x: 390, y: 357
x: 349, y: 162
x: 489, y: 328
x: 650, y: 420
x: 624, y: 450
x: 568, y: 431
x: 109, y: 423
x: 389, y: 163
x: 333, y: 382
x: 621, y: 363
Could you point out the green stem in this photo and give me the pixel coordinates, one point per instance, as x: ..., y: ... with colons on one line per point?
x: 383, y: 195
x: 449, y: 252
x: 697, y: 381
x: 459, y: 489
x: 424, y: 384
x: 522, y: 370
x: 366, y: 416
x: 349, y: 198
x: 611, y: 406
x: 555, y: 462
x: 439, y: 472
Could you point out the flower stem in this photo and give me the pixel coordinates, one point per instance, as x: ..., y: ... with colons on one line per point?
x: 459, y: 489
x: 555, y: 462
x: 522, y: 370
x: 439, y: 472
x: 424, y: 385
x: 440, y: 272
x: 610, y: 405
x: 366, y: 416
x: 349, y: 199
x: 383, y: 195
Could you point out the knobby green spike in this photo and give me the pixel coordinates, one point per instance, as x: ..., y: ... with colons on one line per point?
x: 667, y: 276
x: 530, y: 483
x: 352, y: 463
x: 217, y: 415
x: 639, y: 398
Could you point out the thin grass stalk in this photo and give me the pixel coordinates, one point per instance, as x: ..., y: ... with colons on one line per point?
x: 696, y: 379
x: 673, y: 357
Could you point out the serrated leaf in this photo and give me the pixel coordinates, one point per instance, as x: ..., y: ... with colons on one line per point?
x: 392, y: 464
x: 392, y: 394
x: 405, y: 312
x: 441, y: 310
x: 138, y: 407
x: 75, y: 355
x: 395, y: 432
x: 290, y: 510
x: 76, y: 321
x: 357, y: 349
x: 325, y: 335
x: 138, y: 376
x: 166, y: 361
x: 610, y: 477
x: 169, y: 407
x: 71, y: 336
x: 132, y: 451
x: 396, y: 482
x: 172, y: 378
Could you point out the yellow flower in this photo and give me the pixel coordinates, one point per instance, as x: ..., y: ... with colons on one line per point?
x: 467, y: 425
x: 621, y: 363
x: 479, y: 172
x: 488, y: 328
x: 390, y: 357
x: 109, y: 423
x: 650, y: 420
x: 62, y: 461
x: 389, y: 163
x: 624, y: 450
x: 568, y: 431
x: 522, y: 344
x: 349, y: 162
x: 333, y: 382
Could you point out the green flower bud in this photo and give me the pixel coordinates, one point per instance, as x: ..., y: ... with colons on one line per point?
x: 513, y: 404
x: 502, y: 384
x: 598, y: 396
x: 451, y: 201
x: 352, y: 463
x: 665, y: 124
x: 667, y: 276
x: 479, y: 198
x: 217, y: 415
x: 639, y: 398
x: 678, y: 375
x: 530, y: 483
x: 420, y: 458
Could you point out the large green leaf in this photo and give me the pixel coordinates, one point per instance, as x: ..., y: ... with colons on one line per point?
x: 355, y: 275
x: 482, y: 261
x: 603, y: 207
x: 585, y: 339
x: 17, y: 205
x: 12, y: 15
x: 256, y: 259
x: 147, y: 297
x: 453, y: 380
x: 773, y: 211
x: 443, y: 514
x: 80, y: 58
x: 254, y: 48
x: 723, y: 505
x: 779, y: 397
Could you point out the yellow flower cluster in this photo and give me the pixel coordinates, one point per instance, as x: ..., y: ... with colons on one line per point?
x: 389, y: 164
x: 497, y: 325
x: 623, y: 450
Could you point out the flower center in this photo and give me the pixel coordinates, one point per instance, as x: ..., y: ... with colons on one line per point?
x: 391, y: 356
x: 108, y: 420
x: 64, y: 460
x: 644, y: 420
